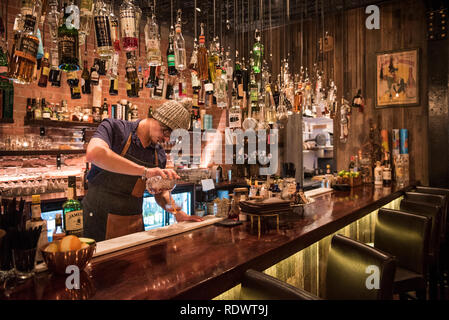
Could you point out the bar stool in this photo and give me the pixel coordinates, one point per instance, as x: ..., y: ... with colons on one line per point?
x: 346, y: 276
x: 435, y: 213
x: 260, y: 286
x: 406, y: 236
x: 444, y: 247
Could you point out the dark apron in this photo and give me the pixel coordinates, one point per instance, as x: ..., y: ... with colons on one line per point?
x: 113, y: 205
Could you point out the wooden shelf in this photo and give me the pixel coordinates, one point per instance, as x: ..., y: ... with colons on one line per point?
x: 39, y: 152
x: 59, y: 124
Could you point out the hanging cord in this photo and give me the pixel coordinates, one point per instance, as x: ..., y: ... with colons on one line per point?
x: 322, y: 25
x: 195, y: 23
x: 214, y: 19
x: 171, y: 8
x: 302, y: 35
x: 271, y: 39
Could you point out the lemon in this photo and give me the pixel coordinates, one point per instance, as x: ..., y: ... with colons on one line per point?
x: 87, y: 240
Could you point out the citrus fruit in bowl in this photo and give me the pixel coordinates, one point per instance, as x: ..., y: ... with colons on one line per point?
x: 70, y: 250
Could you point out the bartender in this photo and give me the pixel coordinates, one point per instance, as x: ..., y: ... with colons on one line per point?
x: 123, y: 155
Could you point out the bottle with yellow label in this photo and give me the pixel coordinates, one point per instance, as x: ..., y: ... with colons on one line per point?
x: 72, y: 211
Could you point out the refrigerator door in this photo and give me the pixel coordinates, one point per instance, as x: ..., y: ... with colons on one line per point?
x: 153, y: 214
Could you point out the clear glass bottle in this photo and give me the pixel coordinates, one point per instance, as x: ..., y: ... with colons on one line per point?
x: 196, y: 83
x: 171, y: 60
x: 220, y: 91
x: 23, y: 61
x: 53, y: 20
x: 235, y: 113
x: 36, y: 221
x: 59, y: 232
x: 72, y: 211
x: 228, y: 65
x: 180, y: 46
x: 68, y: 45
x: 258, y: 50
x: 103, y: 30
x: 153, y: 42
x: 203, y: 66
x: 115, y: 29
x: 130, y: 67
x: 128, y: 25
x: 86, y: 17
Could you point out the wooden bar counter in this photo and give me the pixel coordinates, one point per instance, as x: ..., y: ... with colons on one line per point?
x: 205, y: 262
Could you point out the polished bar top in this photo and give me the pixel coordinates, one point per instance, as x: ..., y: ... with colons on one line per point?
x: 203, y: 263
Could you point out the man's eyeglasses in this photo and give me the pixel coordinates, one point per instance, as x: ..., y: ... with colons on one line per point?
x: 166, y: 131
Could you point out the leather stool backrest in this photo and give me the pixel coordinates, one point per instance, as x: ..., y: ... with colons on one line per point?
x: 405, y: 236
x: 260, y: 286
x: 441, y: 192
x: 350, y: 263
x: 434, y: 199
x: 432, y: 211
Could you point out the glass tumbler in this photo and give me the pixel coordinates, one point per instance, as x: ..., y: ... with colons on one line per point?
x: 24, y: 261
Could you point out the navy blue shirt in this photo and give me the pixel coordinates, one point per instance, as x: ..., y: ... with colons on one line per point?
x: 115, y: 133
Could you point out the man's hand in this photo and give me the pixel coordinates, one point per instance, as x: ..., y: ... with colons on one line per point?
x: 182, y: 216
x: 164, y: 173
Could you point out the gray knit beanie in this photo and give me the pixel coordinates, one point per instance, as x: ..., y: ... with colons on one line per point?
x: 174, y: 114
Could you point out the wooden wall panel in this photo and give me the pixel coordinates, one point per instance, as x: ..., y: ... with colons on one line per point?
x: 352, y: 65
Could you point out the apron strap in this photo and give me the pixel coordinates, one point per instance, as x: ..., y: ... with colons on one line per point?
x: 126, y: 147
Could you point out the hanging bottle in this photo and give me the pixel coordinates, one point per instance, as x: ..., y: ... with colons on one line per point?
x: 235, y: 113
x: 45, y: 71
x: 258, y: 51
x: 180, y: 46
x: 213, y: 59
x: 86, y: 16
x: 202, y: 56
x: 128, y: 25
x: 68, y: 43
x: 85, y: 79
x: 24, y: 53
x: 103, y: 30
x: 228, y: 65
x: 153, y: 42
x: 220, y: 91
x: 238, y: 77
x: 196, y: 84
x: 171, y: 60
x: 115, y: 30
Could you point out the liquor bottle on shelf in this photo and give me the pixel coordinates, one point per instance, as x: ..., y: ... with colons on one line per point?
x: 104, y: 110
x: 37, y: 110
x: 180, y: 46
x: 103, y: 30
x: 203, y: 67
x: 45, y: 71
x: 23, y: 61
x: 36, y: 221
x: 159, y: 89
x: 258, y: 50
x: 85, y: 79
x: 115, y: 28
x: 46, y: 111
x: 153, y: 42
x: 386, y: 173
x: 171, y: 54
x: 59, y: 232
x: 128, y: 26
x: 68, y: 44
x: 72, y: 211
x: 29, y: 109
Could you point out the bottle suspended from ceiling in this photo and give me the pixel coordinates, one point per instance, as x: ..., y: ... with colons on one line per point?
x: 23, y: 61
x: 228, y: 65
x: 258, y: 50
x: 86, y: 17
x: 171, y: 60
x: 128, y: 25
x: 115, y: 29
x: 68, y: 42
x: 153, y: 42
x: 202, y: 56
x: 214, y: 59
x: 220, y: 91
x: 103, y: 30
x: 193, y: 66
x: 180, y: 46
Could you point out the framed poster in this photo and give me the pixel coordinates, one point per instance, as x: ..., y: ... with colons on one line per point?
x: 397, y: 79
